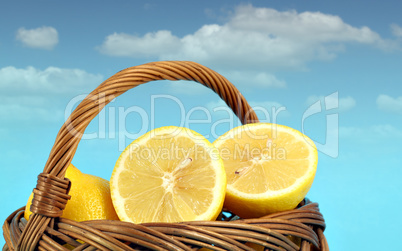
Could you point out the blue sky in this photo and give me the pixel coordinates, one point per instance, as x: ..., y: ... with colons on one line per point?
x: 295, y: 57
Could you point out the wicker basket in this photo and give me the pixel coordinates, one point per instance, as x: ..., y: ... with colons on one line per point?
x: 298, y: 229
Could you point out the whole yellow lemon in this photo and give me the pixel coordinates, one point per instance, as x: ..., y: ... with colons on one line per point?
x: 90, y: 198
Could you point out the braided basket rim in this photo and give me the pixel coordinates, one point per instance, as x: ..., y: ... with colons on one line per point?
x: 47, y: 230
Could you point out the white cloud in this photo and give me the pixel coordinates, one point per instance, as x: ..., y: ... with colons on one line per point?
x: 40, y: 38
x: 151, y: 44
x: 250, y: 79
x: 31, y: 94
x: 396, y: 30
x: 389, y: 104
x: 19, y: 112
x: 374, y: 132
x: 52, y: 80
x: 342, y: 104
x: 252, y: 38
x: 244, y: 81
x: 387, y: 131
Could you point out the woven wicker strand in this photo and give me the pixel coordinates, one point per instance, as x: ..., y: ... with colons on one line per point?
x: 298, y: 229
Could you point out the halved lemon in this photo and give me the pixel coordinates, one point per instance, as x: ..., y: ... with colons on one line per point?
x: 170, y: 174
x: 269, y: 168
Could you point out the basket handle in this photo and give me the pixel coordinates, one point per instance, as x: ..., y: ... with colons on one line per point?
x: 51, y: 192
x: 71, y: 132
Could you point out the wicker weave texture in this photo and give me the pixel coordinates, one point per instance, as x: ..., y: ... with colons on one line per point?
x: 299, y: 229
